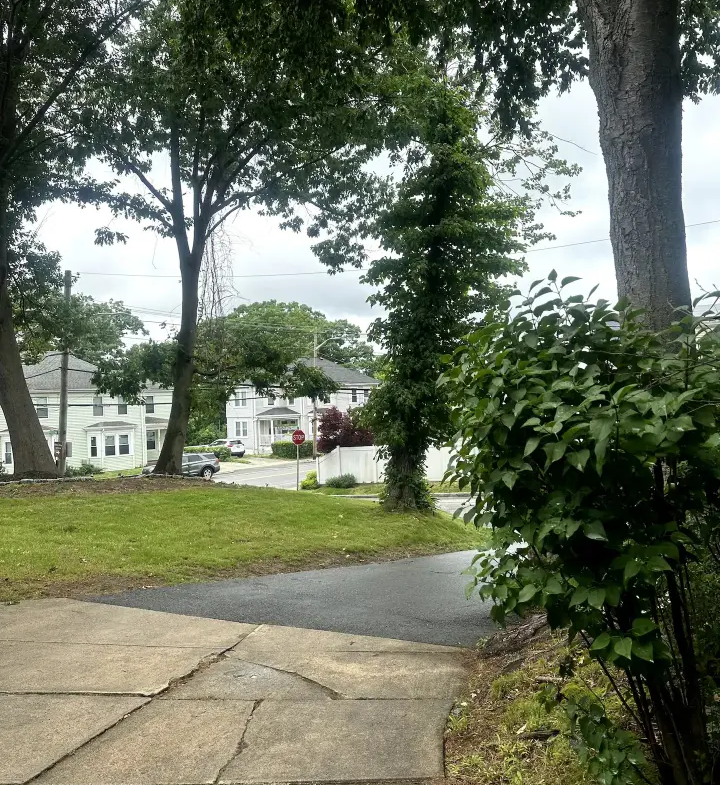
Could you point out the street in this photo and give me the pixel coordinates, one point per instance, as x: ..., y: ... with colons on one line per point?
x: 281, y: 475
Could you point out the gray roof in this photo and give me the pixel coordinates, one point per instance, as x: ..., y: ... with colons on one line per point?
x: 156, y: 421
x: 341, y: 375
x: 111, y: 424
x: 279, y: 411
x: 45, y: 376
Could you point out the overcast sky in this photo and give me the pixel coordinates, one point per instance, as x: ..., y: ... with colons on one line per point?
x: 260, y: 248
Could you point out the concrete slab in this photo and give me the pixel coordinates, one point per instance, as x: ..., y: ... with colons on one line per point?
x: 374, y: 674
x: 294, y: 639
x: 234, y: 679
x: 72, y: 621
x: 38, y: 730
x: 66, y: 668
x: 178, y: 742
x: 341, y: 741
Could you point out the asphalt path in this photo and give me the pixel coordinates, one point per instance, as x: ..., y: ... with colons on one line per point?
x: 421, y: 599
x: 283, y: 475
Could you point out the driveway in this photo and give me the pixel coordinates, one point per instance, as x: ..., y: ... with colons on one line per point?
x: 420, y: 599
x: 272, y: 473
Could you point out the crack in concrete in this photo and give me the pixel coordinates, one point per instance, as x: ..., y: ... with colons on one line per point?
x: 241, y: 745
x: 329, y: 691
x: 204, y: 663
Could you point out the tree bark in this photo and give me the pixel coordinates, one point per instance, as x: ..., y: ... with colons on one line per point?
x: 404, y: 480
x: 171, y: 453
x: 31, y: 455
x: 635, y: 75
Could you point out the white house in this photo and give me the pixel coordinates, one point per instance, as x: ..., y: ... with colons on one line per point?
x: 101, y: 430
x: 260, y: 421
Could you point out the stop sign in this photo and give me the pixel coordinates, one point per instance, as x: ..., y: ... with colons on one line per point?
x: 298, y: 437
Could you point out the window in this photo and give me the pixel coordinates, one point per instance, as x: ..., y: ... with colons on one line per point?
x: 124, y: 444
x: 243, y: 397
x: 353, y: 396
x: 271, y: 400
x: 8, y: 452
x: 109, y: 445
x: 122, y: 406
x: 98, y: 409
x: 68, y: 449
x: 149, y: 404
x: 236, y: 402
x: 41, y: 408
x: 151, y: 440
x: 93, y: 446
x: 291, y: 402
x: 241, y: 428
x: 366, y: 394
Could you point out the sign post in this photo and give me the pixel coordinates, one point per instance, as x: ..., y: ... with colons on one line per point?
x: 298, y: 438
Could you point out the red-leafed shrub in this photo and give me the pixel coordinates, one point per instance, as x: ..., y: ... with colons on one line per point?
x: 338, y: 429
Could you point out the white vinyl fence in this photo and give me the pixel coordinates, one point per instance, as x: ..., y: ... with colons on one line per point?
x: 367, y: 467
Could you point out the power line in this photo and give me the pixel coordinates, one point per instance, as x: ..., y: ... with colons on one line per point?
x: 361, y: 269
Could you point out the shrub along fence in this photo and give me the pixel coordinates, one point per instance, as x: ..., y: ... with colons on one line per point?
x: 289, y: 450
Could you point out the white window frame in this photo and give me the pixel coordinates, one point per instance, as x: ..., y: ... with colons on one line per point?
x: 353, y: 396
x: 149, y: 404
x: 90, y: 445
x: 271, y: 400
x: 41, y: 405
x: 98, y: 406
x: 366, y: 395
x: 121, y: 405
x: 103, y: 436
x: 243, y: 397
x: 155, y: 439
x: 7, y: 452
x: 241, y: 429
x: 291, y: 401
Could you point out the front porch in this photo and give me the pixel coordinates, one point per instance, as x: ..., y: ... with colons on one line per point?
x: 275, y: 425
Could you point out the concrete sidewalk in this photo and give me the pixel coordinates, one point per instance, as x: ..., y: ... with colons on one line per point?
x: 102, y: 695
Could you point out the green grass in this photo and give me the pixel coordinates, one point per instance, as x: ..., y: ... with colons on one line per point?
x: 119, y: 473
x: 99, y: 539
x: 374, y: 488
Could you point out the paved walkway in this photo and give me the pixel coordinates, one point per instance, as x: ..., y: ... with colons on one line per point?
x: 95, y: 694
x: 420, y: 599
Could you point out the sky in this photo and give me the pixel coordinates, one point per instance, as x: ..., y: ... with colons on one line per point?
x: 266, y: 259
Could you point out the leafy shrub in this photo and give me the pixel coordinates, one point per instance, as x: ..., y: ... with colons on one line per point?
x: 310, y: 483
x: 342, y: 481
x: 338, y: 429
x: 222, y: 453
x: 289, y: 450
x: 84, y: 470
x: 592, y: 446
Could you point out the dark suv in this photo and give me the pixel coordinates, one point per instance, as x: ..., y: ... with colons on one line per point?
x: 194, y: 464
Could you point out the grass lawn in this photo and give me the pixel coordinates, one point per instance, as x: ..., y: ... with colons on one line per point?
x: 74, y: 538
x: 374, y: 488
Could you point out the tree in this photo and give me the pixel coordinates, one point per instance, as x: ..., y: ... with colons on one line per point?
x: 341, y: 429
x: 645, y: 57
x: 449, y: 236
x: 298, y: 326
x: 46, y: 48
x: 239, y: 130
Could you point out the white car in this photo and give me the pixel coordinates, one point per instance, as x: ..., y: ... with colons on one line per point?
x: 236, y: 447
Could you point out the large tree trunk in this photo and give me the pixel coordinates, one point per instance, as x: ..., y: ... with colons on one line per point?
x: 31, y: 455
x: 170, y: 458
x: 635, y: 75
x: 405, y: 487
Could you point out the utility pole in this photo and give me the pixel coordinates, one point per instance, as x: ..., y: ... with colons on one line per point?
x: 314, y: 402
x: 64, y: 368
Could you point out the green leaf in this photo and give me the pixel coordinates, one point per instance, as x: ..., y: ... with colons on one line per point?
x: 553, y: 586
x: 595, y: 531
x: 579, y: 596
x: 552, y: 276
x: 531, y: 445
x: 579, y: 459
x: 596, y: 597
x: 527, y: 593
x: 623, y: 647
x: 554, y: 452
x: 643, y: 626
x: 632, y: 568
x: 531, y: 340
x: 509, y: 478
x: 601, y: 642
x: 568, y: 280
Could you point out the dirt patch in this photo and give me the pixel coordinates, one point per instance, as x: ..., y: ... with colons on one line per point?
x: 85, y: 486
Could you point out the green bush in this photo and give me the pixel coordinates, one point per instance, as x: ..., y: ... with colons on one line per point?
x: 221, y: 453
x: 289, y: 450
x: 342, y: 481
x: 84, y: 470
x: 591, y: 444
x: 310, y: 482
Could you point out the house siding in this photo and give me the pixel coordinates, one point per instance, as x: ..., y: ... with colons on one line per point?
x: 81, y: 418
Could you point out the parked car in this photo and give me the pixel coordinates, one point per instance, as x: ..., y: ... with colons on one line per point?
x: 194, y: 464
x: 236, y: 447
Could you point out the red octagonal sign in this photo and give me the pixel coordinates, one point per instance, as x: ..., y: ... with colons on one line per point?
x: 298, y: 437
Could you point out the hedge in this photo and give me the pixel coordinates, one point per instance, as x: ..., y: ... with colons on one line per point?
x: 289, y: 450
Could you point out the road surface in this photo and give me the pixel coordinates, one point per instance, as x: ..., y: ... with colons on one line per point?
x: 284, y: 475
x: 420, y: 599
